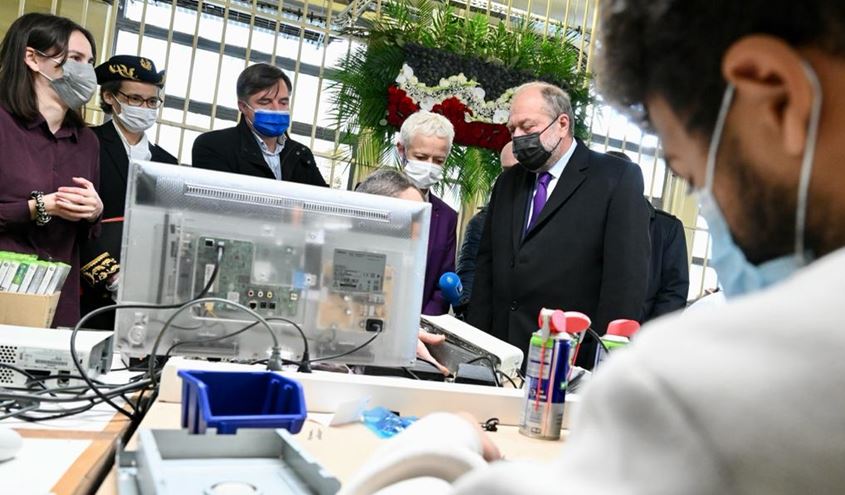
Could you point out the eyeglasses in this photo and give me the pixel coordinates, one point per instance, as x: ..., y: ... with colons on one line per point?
x: 137, y: 101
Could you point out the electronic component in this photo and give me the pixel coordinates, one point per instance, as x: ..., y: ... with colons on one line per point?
x: 475, y: 374
x: 43, y: 352
x: 322, y: 259
x: 466, y: 343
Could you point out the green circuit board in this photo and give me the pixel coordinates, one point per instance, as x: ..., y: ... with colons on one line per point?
x: 259, y: 278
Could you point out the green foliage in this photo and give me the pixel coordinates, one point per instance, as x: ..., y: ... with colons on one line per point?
x: 359, y: 95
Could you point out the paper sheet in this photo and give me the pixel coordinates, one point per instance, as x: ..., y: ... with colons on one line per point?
x: 39, y: 465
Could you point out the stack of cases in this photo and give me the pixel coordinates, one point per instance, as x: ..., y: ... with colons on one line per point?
x: 26, y: 274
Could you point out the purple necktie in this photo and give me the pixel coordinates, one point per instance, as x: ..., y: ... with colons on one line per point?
x: 540, y: 196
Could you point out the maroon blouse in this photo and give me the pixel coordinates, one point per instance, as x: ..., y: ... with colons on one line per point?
x: 34, y: 159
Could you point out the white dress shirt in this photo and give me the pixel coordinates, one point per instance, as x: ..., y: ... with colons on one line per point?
x: 140, y: 151
x: 556, y: 172
x: 272, y: 157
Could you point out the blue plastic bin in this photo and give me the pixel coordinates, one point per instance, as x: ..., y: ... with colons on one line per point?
x: 231, y: 400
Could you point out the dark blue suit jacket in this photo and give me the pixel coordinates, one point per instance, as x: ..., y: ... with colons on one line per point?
x: 469, y: 252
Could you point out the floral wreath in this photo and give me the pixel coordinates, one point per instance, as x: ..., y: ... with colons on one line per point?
x: 420, y: 54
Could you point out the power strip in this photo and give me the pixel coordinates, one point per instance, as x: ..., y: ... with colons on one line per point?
x: 324, y: 392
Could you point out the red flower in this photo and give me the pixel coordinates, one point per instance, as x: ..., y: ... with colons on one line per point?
x: 453, y: 109
x: 399, y: 106
x: 477, y: 134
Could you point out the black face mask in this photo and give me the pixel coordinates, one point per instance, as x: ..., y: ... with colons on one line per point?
x: 529, y: 150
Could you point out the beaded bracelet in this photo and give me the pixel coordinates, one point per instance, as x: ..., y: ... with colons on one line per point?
x: 41, y: 216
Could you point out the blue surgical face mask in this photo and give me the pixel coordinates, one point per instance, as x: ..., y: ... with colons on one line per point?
x: 737, y: 275
x: 270, y: 123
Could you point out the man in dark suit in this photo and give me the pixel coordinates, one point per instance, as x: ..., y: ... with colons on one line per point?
x: 130, y: 92
x: 472, y: 238
x: 668, y: 278
x: 259, y: 145
x: 566, y: 229
x: 425, y: 143
x: 668, y: 274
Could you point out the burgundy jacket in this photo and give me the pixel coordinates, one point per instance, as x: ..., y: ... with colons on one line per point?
x: 35, y: 159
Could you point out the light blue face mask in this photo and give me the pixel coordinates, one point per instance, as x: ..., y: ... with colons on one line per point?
x: 737, y: 275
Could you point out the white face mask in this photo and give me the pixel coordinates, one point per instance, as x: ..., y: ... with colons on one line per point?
x: 423, y: 174
x: 136, y: 119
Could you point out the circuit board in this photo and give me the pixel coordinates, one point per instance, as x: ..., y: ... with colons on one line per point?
x: 359, y: 285
x: 259, y: 278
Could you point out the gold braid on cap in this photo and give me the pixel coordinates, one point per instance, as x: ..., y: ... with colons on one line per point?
x: 124, y: 71
x: 98, y: 270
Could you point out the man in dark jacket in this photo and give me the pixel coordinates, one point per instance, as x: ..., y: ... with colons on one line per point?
x: 668, y: 275
x: 668, y: 278
x: 259, y: 145
x: 130, y: 92
x: 472, y: 238
x: 567, y: 229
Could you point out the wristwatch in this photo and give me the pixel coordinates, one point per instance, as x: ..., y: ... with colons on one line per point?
x: 41, y: 216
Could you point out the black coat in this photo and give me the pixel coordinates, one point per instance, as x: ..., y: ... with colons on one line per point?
x: 469, y: 251
x: 235, y: 150
x: 588, y: 251
x: 668, y: 280
x: 114, y: 167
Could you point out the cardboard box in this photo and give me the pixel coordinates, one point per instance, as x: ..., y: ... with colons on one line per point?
x: 28, y: 310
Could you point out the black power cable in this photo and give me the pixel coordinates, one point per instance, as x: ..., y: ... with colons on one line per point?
x: 596, y: 336
x: 75, y: 357
x: 513, y: 383
x: 356, y: 349
x: 304, y: 365
x: 275, y: 360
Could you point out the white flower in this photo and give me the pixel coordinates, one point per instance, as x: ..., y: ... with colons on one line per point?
x: 427, y: 104
x: 500, y: 116
x: 479, y: 93
x: 461, y: 78
x: 405, y: 74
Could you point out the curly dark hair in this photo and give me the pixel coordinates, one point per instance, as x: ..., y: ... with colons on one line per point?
x: 674, y: 48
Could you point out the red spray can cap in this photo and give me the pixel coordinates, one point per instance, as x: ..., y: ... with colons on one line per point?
x: 623, y: 328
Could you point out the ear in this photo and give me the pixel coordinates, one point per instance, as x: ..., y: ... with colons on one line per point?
x: 771, y: 73
x: 30, y: 60
x: 564, y: 122
x: 108, y: 98
x: 401, y: 149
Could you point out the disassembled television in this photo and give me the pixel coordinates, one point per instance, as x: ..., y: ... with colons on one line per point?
x: 340, y: 264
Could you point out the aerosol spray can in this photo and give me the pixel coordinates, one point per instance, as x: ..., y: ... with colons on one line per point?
x: 546, y: 377
x: 619, y: 333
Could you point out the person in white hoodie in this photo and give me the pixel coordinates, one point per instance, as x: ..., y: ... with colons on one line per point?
x: 747, y: 99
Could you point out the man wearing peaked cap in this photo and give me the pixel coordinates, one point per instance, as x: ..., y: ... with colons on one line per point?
x: 131, y: 94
